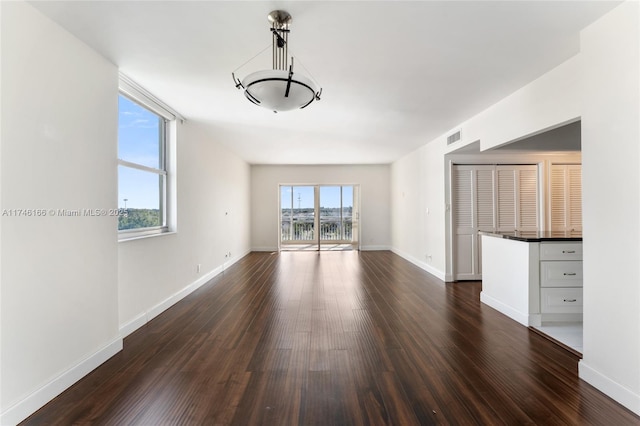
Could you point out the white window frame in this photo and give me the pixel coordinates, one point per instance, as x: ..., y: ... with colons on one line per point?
x: 139, y: 95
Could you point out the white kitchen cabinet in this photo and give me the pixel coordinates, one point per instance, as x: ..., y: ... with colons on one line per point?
x: 560, y: 278
x: 561, y: 301
x: 533, y: 277
x: 561, y: 251
x: 561, y: 273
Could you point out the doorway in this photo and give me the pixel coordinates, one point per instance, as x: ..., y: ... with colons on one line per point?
x: 501, y: 198
x: 319, y: 217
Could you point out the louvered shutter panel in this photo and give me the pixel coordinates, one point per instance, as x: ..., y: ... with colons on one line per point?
x: 465, y: 240
x: 463, y: 198
x: 574, y: 174
x: 506, y: 199
x: 485, y: 198
x: 558, y: 198
x: 527, y: 199
x: 566, y: 197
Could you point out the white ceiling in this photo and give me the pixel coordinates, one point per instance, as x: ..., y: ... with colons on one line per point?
x: 394, y: 74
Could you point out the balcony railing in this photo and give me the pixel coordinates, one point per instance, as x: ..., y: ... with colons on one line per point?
x: 332, y: 229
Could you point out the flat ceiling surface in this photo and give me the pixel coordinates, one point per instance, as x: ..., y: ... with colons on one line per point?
x: 394, y: 74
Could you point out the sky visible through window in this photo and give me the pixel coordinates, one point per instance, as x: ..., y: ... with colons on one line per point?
x: 303, y: 196
x: 139, y: 133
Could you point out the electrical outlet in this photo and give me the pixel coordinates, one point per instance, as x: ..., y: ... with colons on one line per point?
x: 198, y: 267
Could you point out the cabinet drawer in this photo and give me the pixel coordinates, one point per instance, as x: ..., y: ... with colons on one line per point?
x: 561, y: 251
x: 561, y: 273
x: 561, y: 300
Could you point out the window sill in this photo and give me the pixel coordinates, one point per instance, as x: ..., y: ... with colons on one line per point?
x: 125, y: 238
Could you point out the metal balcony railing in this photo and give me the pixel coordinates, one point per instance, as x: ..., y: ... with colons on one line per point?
x: 332, y: 229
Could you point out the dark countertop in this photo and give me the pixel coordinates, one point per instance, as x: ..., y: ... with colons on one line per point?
x: 536, y: 236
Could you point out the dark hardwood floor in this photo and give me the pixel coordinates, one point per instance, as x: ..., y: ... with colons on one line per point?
x: 334, y: 338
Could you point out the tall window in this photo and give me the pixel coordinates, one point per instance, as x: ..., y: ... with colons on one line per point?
x: 142, y: 166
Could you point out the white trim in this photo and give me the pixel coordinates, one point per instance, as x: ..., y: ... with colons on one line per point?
x: 134, y: 324
x: 142, y: 233
x: 141, y: 167
x: 422, y: 265
x: 375, y: 248
x: 144, y: 317
x: 264, y: 249
x: 507, y: 310
x: 615, y: 390
x: 33, y: 402
x: 142, y: 95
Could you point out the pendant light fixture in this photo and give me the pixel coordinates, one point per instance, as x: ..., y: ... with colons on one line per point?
x: 279, y: 89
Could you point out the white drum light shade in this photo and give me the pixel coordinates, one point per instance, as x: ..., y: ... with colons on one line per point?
x: 268, y: 89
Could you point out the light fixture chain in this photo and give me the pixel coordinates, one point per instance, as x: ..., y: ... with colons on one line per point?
x: 258, y: 54
x: 305, y: 68
x: 265, y: 88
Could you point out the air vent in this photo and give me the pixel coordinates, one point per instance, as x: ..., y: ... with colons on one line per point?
x: 454, y: 137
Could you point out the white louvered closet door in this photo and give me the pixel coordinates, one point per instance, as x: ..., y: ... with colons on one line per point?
x: 506, y: 198
x: 473, y: 210
x: 517, y: 198
x: 485, y: 208
x: 566, y: 197
x: 462, y: 210
x: 527, y: 195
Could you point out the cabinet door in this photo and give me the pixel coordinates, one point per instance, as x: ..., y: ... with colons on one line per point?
x: 566, y: 197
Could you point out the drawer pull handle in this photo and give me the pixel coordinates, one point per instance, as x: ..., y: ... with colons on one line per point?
x: 568, y: 251
x: 570, y: 300
x: 569, y: 274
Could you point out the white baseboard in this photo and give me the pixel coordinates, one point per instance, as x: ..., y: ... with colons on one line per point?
x: 23, y: 409
x: 264, y: 249
x: 422, y: 265
x: 143, y: 318
x: 521, y: 317
x: 29, y: 405
x: 614, y: 390
x: 374, y: 248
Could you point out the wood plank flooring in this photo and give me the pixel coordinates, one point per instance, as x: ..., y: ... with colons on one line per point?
x: 334, y: 338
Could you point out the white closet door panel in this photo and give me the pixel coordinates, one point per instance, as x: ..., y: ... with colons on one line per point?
x: 485, y: 199
x: 463, y: 197
x: 527, y: 199
x: 566, y: 197
x: 465, y: 253
x: 574, y: 175
x: 506, y: 199
x: 558, y: 197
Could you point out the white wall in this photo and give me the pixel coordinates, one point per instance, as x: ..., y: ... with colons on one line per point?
x: 418, y: 209
x: 422, y: 176
x: 607, y: 101
x: 374, y: 199
x: 546, y: 103
x: 70, y: 291
x: 213, y: 219
x: 59, y: 306
x: 611, y: 206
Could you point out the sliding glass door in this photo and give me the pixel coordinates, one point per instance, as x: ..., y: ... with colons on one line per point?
x: 318, y: 217
x: 298, y: 215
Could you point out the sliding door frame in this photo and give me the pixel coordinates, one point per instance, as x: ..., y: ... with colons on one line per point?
x: 317, y: 241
